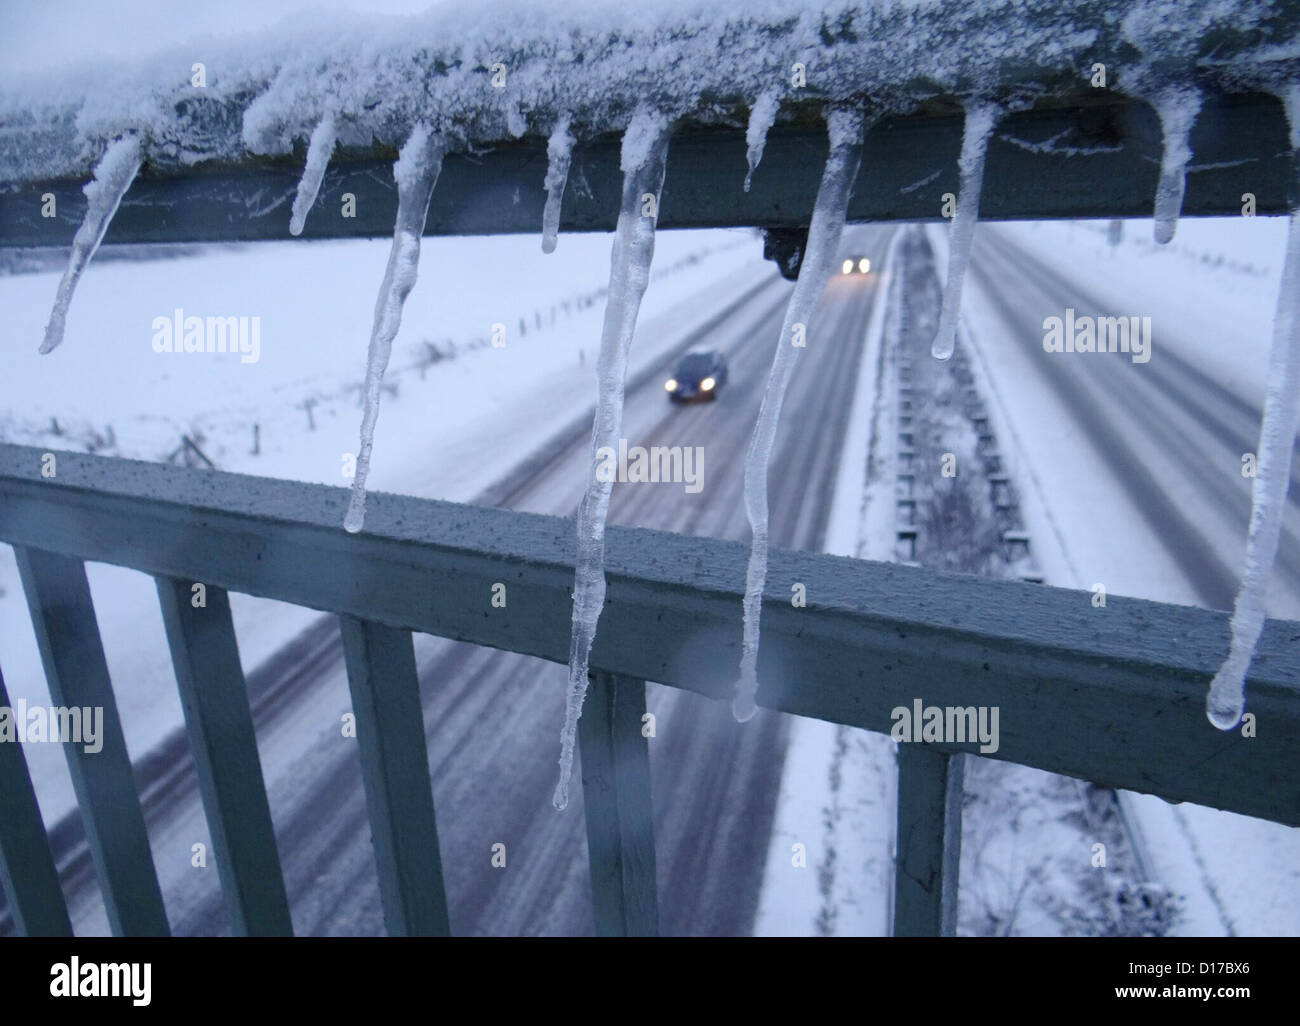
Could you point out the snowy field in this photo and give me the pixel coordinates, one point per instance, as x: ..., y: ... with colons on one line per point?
x: 452, y: 427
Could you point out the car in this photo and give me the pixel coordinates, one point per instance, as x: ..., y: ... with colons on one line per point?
x: 699, y: 375
x: 860, y: 264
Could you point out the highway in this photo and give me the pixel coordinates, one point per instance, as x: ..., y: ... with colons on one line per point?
x: 493, y: 718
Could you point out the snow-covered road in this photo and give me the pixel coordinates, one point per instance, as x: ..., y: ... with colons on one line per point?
x: 492, y: 717
x: 1131, y: 477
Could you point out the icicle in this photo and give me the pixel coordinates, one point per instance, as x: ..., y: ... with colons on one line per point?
x: 645, y: 151
x: 113, y: 176
x: 1226, y: 700
x: 416, y: 172
x: 516, y: 123
x: 761, y: 118
x: 319, y: 151
x: 981, y: 115
x: 1177, y: 108
x: 559, y: 154
x: 845, y: 129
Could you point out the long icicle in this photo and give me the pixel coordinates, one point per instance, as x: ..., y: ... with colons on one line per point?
x: 1177, y: 108
x: 845, y: 128
x: 416, y: 173
x: 645, y: 154
x: 319, y: 151
x: 1226, y: 700
x: 981, y: 116
x: 114, y: 174
x: 559, y: 154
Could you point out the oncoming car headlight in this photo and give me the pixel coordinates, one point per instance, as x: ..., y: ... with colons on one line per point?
x: 864, y: 265
x: 848, y: 267
x: 671, y: 384
x: 707, y: 385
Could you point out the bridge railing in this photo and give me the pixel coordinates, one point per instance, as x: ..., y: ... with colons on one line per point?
x: 1114, y: 695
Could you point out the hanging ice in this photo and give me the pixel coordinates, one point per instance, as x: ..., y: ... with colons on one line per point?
x: 645, y: 152
x: 516, y: 123
x: 1177, y: 109
x: 113, y: 176
x: 1227, y: 697
x: 981, y: 116
x: 845, y: 129
x: 761, y: 118
x: 416, y: 172
x: 319, y: 151
x: 559, y: 154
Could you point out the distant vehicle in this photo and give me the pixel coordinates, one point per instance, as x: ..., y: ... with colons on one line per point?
x: 859, y: 264
x: 699, y: 375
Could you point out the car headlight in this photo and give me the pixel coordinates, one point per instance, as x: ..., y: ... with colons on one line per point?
x: 848, y: 266
x: 707, y: 385
x: 671, y: 384
x: 864, y: 265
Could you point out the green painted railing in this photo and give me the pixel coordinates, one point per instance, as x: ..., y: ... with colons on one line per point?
x: 1113, y: 695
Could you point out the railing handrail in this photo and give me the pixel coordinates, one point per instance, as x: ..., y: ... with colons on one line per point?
x: 1112, y: 695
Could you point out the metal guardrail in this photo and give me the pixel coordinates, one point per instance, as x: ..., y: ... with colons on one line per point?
x: 1113, y: 695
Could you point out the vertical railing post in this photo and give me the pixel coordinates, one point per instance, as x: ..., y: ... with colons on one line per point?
x: 214, y: 698
x: 58, y: 597
x: 616, y: 799
x: 395, y: 772
x: 928, y: 842
x: 27, y: 873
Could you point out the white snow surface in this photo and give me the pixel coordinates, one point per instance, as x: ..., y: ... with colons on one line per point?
x: 845, y: 129
x: 595, y: 61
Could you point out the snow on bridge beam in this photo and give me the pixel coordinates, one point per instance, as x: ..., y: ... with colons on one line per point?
x: 1094, y: 156
x: 1113, y: 695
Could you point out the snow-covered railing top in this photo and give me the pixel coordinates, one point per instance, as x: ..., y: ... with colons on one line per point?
x: 506, y: 77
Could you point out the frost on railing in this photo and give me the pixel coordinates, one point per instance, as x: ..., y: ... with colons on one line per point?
x: 506, y: 69
x: 484, y: 74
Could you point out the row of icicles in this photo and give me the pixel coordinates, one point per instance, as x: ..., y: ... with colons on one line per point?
x: 643, y: 162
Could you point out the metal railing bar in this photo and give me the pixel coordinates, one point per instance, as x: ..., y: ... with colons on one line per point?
x: 1113, y: 695
x: 616, y: 798
x: 27, y: 874
x: 219, y: 725
x: 63, y: 616
x: 395, y: 771
x: 929, y: 842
